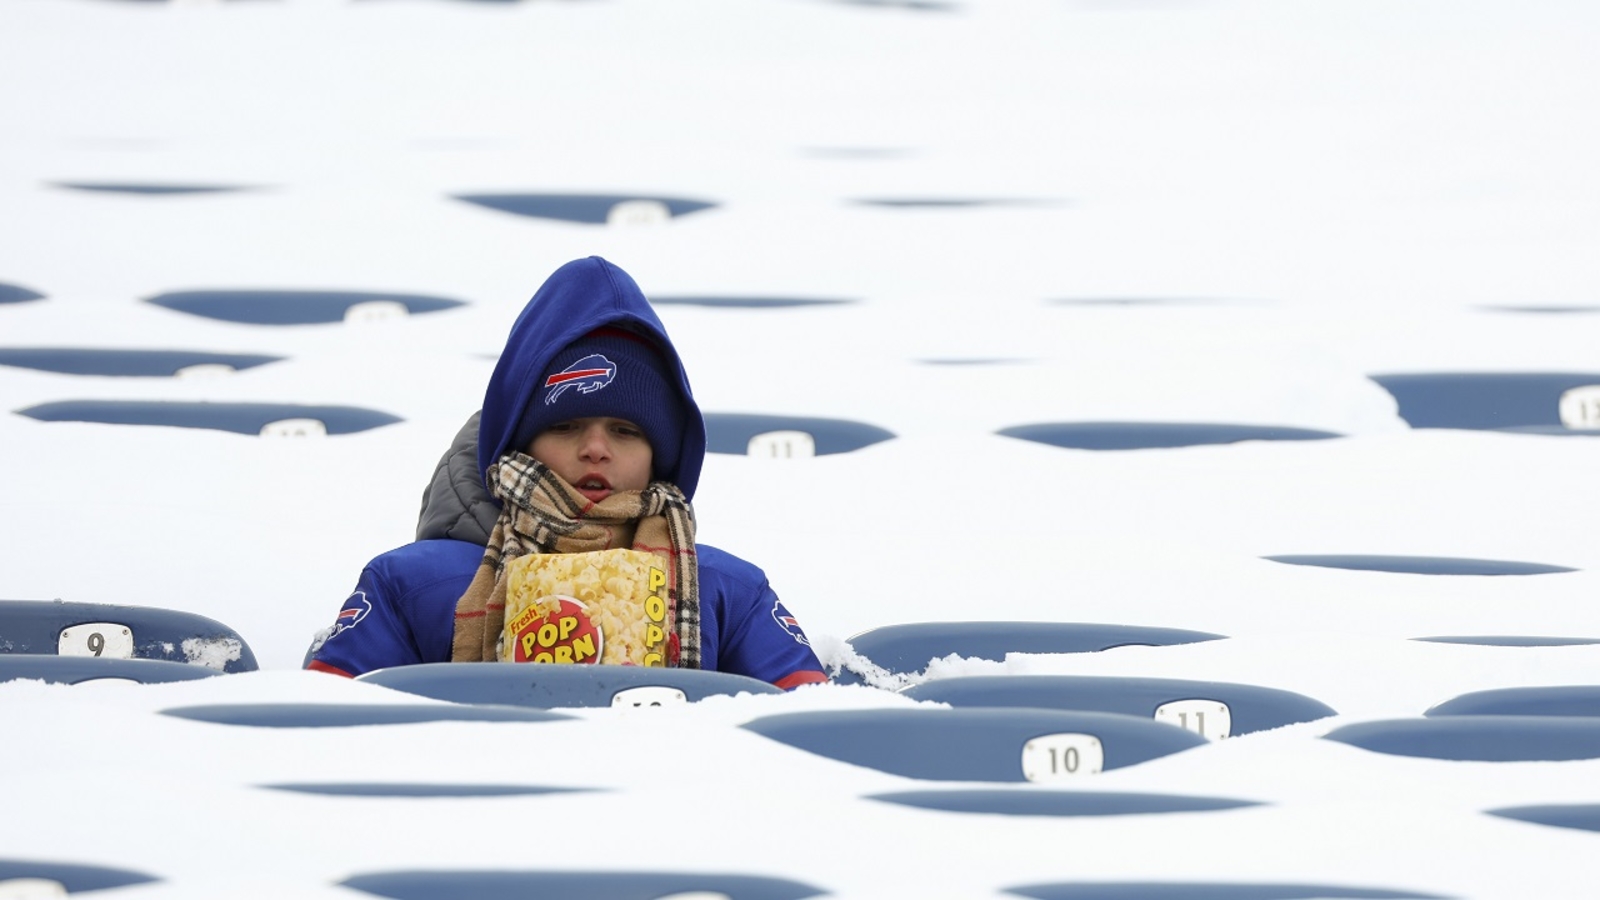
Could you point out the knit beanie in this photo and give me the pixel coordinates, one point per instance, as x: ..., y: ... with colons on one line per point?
x: 611, y: 373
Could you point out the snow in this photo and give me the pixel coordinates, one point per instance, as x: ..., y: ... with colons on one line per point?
x: 1310, y: 192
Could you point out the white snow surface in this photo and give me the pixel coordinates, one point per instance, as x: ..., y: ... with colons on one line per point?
x: 1324, y: 189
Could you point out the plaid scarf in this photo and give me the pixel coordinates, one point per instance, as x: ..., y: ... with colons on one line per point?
x: 541, y: 513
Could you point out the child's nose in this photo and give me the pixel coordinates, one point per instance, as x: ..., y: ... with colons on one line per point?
x: 596, y: 443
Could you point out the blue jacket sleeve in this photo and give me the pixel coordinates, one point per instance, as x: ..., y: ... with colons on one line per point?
x: 401, y: 611
x: 755, y: 633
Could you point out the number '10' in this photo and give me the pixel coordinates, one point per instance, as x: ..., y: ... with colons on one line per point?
x: 1065, y: 760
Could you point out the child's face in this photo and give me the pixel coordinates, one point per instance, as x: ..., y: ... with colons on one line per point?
x: 598, y: 456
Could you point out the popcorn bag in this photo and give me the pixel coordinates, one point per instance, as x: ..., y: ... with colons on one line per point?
x: 609, y: 606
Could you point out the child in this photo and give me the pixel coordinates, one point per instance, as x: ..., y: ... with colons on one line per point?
x: 589, y: 439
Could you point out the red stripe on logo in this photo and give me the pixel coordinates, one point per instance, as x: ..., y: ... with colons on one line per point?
x: 561, y: 377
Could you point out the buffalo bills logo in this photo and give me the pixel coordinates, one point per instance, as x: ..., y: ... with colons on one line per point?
x: 788, y: 623
x: 588, y: 375
x: 355, y: 609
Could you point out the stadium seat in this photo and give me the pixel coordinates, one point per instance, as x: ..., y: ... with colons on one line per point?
x: 344, y: 715
x: 1211, y: 709
x: 16, y: 293
x: 784, y: 436
x: 71, y: 878
x: 129, y: 363
x: 977, y: 744
x: 1151, y: 435
x: 590, y: 209
x: 909, y: 648
x: 149, y: 188
x: 1037, y: 802
x: 542, y: 686
x: 275, y: 419
x: 1585, y: 816
x: 609, y: 885
x: 1509, y: 640
x: 415, y: 789
x: 1542, y: 309
x: 297, y: 307
x: 1541, y: 402
x: 1478, y: 738
x: 78, y: 669
x: 52, y: 627
x: 737, y: 302
x: 1419, y: 565
x: 1564, y: 700
x: 1202, y: 890
x: 943, y: 202
x: 1140, y: 301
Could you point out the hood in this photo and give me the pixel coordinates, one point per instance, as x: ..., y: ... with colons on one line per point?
x: 578, y: 298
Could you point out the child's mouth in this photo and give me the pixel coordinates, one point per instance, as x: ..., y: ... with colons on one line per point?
x: 594, y: 487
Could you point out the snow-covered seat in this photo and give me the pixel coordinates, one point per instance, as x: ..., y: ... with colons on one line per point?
x: 437, y: 884
x: 79, y: 669
x: 297, y: 307
x: 66, y: 877
x: 750, y: 434
x: 1542, y: 402
x: 1554, y: 700
x: 977, y: 744
x: 591, y: 209
x: 127, y: 363
x: 543, y: 686
x: 151, y: 188
x: 1478, y: 738
x: 743, y: 301
x: 1509, y: 640
x: 345, y: 715
x: 1212, y: 709
x: 1152, y: 435
x: 910, y: 647
x: 16, y: 293
x: 1210, y: 890
x: 54, y: 627
x: 278, y: 419
x: 1419, y: 565
x: 1038, y: 802
x: 421, y: 789
x: 1585, y: 816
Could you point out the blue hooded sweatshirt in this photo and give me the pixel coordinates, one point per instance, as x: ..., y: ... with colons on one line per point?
x: 402, y: 611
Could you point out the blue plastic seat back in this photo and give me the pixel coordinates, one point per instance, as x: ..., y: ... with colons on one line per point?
x: 1155, y: 435
x: 1213, y: 709
x: 1058, y: 803
x: 1201, y: 890
x: 1583, y: 816
x: 910, y: 647
x: 1510, y: 640
x: 16, y: 293
x: 977, y: 744
x: 107, y: 631
x: 1478, y: 738
x: 74, y: 877
x: 79, y: 669
x: 600, y: 885
x: 551, y: 686
x: 265, y: 307
x: 1560, y: 700
x: 586, y: 209
x: 124, y: 363
x: 1419, y: 565
x: 345, y: 715
x: 1522, y: 401
x: 240, y: 418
